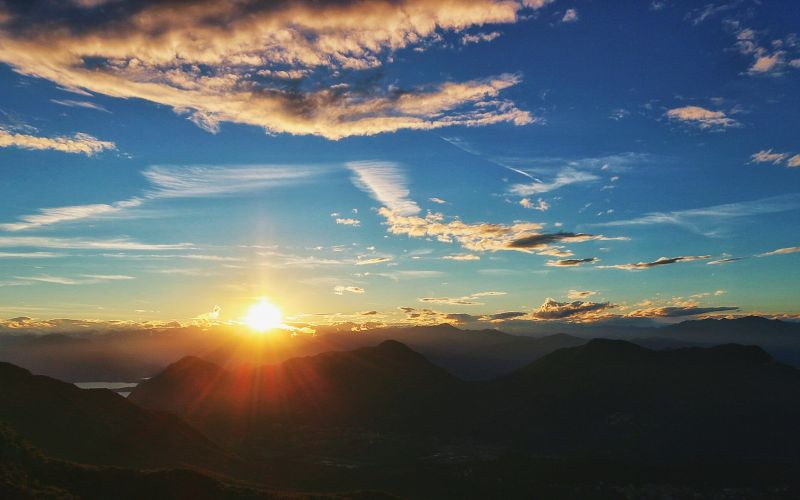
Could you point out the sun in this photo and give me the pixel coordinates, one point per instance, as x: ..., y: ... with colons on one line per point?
x: 263, y: 316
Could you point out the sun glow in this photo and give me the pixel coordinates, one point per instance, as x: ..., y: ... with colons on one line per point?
x: 263, y: 316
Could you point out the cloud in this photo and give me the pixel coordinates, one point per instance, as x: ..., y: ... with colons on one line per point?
x: 227, y: 61
x: 462, y: 257
x: 48, y: 216
x: 540, y: 205
x: 553, y: 310
x: 483, y: 237
x: 565, y: 177
x: 210, y: 316
x: 348, y: 222
x: 341, y: 289
x: 676, y: 311
x: 438, y: 201
x: 580, y: 294
x: 709, y: 220
x: 570, y: 16
x: 177, y: 182
x: 467, y: 300
x: 701, y: 117
x: 372, y: 260
x: 572, y: 262
x: 85, y: 279
x: 544, y: 239
x: 767, y: 156
x: 725, y: 260
x: 70, y: 103
x: 29, y: 255
x: 385, y: 183
x: 87, y: 244
x: 780, y: 251
x: 172, y: 181
x: 661, y: 261
x: 78, y: 143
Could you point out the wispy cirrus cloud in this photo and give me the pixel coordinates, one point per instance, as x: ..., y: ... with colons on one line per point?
x: 386, y: 183
x: 230, y: 61
x: 71, y: 103
x: 79, y: 143
x: 711, y: 221
x: 780, y: 251
x: 341, y: 289
x: 467, y: 300
x: 174, y: 181
x: 84, y: 279
x: 572, y: 262
x: 661, y: 261
x: 87, y: 244
x: 49, y: 216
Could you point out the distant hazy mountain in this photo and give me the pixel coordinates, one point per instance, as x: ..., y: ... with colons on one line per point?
x: 469, y: 354
x: 605, y: 398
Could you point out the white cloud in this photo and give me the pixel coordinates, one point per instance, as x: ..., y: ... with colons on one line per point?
x: 386, y: 183
x: 540, y: 205
x: 348, y: 222
x: 49, y: 216
x: 341, y: 289
x: 79, y: 143
x: 86, y: 244
x: 570, y: 16
x: 565, y: 177
x: 780, y: 251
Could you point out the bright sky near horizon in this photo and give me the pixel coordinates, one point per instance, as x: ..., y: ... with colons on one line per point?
x: 471, y: 161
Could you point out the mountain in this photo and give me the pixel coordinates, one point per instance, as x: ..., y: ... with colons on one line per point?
x: 605, y: 398
x: 370, y: 387
x: 97, y: 426
x: 615, y: 398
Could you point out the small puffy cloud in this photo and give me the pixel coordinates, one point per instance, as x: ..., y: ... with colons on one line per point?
x: 341, y: 289
x: 767, y: 156
x: 580, y: 294
x: 468, y: 38
x: 438, y: 201
x: 780, y: 251
x: 701, y: 117
x: 462, y: 257
x: 572, y: 262
x: 540, y: 205
x: 348, y: 221
x: 576, y: 310
x: 212, y: 315
x: 767, y: 62
x: 78, y: 143
x: 570, y: 16
x: 661, y: 261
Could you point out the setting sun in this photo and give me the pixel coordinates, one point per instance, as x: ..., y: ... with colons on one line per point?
x: 263, y: 316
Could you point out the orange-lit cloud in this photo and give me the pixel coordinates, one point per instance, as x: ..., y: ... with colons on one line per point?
x: 228, y: 61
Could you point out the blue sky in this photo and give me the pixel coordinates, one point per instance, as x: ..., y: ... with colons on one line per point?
x: 417, y: 161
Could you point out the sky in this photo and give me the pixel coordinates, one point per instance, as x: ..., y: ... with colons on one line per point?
x: 478, y: 162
